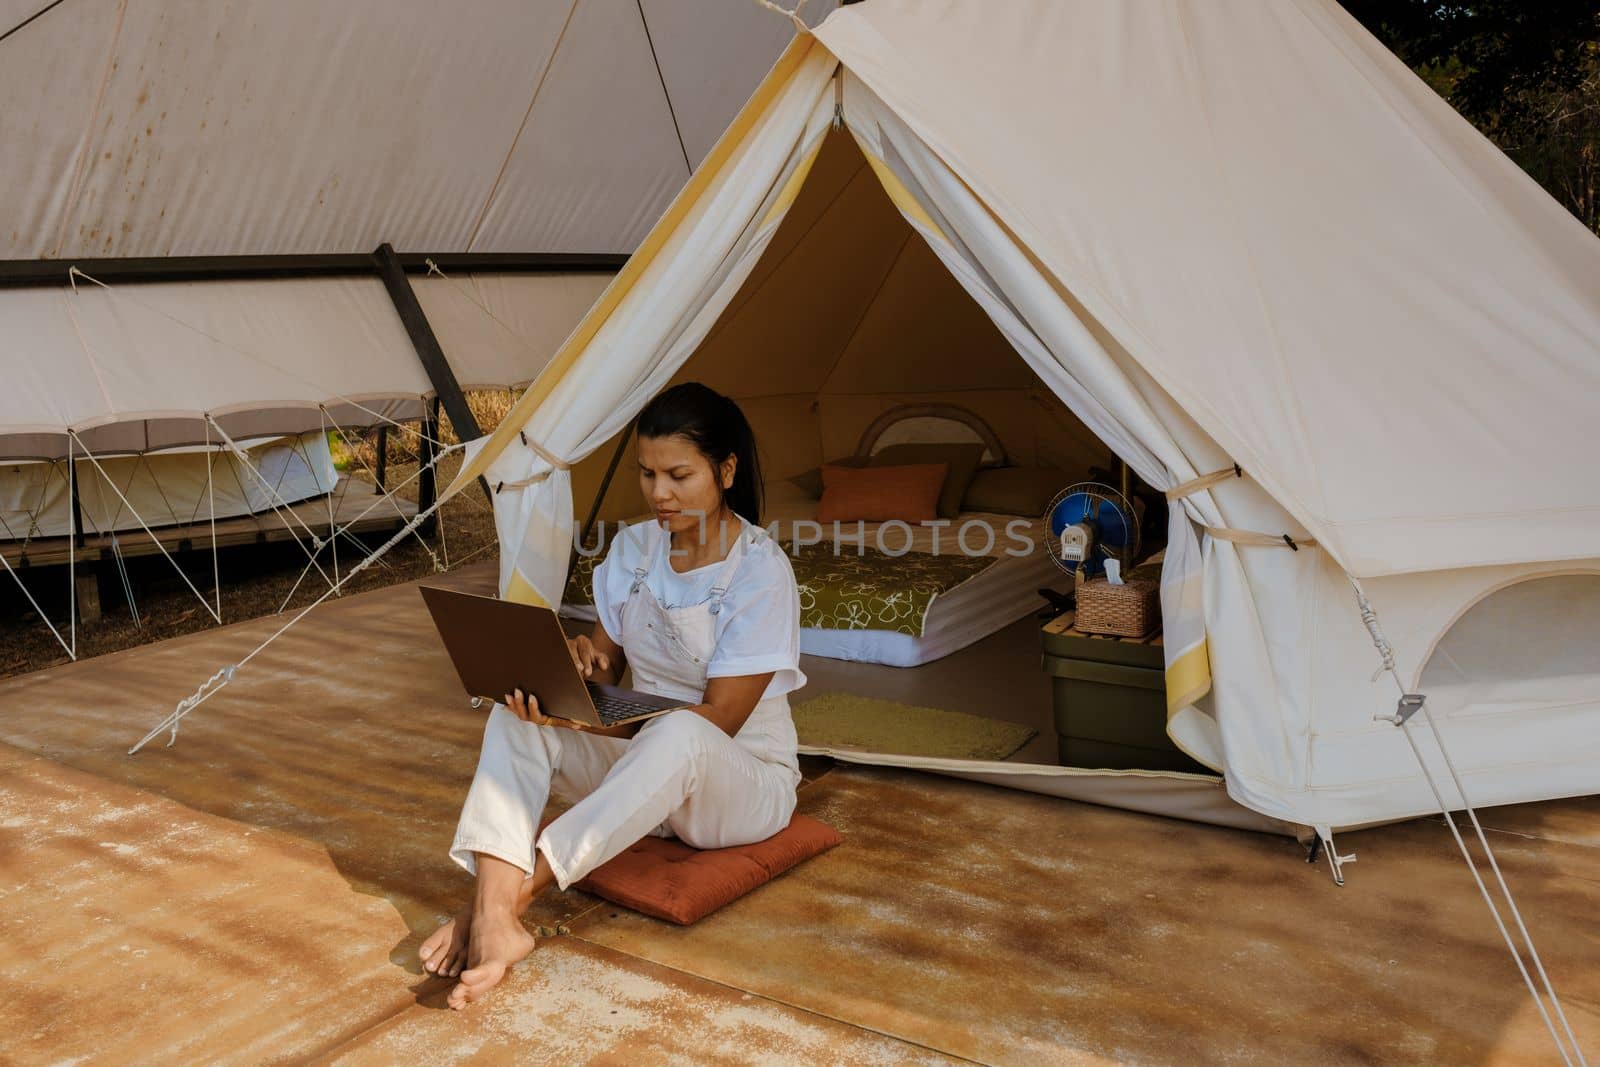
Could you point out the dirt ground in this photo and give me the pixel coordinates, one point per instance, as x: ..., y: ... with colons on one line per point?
x: 256, y: 580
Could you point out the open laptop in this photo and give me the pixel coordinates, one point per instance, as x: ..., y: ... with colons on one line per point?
x: 500, y: 645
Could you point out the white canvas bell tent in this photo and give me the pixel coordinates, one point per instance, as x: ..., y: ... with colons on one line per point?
x: 177, y: 487
x: 179, y: 406
x: 1219, y: 233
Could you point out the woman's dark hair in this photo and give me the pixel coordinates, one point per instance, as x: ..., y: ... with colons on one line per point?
x: 714, y: 424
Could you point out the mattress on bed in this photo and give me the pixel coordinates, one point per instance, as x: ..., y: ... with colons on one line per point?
x: 989, y: 601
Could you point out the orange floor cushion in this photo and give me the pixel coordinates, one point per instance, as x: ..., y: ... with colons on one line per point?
x: 665, y: 878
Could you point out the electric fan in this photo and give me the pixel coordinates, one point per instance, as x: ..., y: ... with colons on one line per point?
x: 1090, y: 523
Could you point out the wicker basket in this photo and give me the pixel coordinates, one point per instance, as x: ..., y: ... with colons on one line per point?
x: 1132, y: 609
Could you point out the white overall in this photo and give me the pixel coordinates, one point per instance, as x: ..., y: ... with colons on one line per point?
x: 679, y: 775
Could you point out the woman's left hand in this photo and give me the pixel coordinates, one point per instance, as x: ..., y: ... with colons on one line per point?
x: 525, y: 706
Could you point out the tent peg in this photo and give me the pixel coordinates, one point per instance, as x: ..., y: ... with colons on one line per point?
x: 1336, y: 861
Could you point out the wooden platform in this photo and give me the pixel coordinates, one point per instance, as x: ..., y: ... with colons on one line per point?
x: 351, y: 498
x: 258, y: 890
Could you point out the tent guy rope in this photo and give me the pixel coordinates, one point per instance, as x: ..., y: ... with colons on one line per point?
x: 142, y: 524
x: 387, y: 496
x: 1409, y: 705
x: 434, y: 270
x: 225, y: 675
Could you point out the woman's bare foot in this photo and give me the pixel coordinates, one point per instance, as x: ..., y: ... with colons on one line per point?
x: 445, y: 951
x: 497, y: 941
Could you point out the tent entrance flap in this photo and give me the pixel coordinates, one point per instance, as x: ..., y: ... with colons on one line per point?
x: 851, y: 313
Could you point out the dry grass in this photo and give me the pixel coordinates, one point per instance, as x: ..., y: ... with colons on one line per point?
x: 360, y: 452
x: 257, y: 580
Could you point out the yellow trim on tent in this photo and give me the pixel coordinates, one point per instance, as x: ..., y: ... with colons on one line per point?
x: 643, y: 256
x: 909, y: 205
x: 791, y: 188
x: 521, y: 591
x: 1188, y: 678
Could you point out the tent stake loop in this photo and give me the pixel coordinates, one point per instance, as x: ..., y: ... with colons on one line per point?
x: 1409, y: 705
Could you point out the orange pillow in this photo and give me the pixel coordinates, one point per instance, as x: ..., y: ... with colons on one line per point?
x: 665, y: 878
x: 879, y: 494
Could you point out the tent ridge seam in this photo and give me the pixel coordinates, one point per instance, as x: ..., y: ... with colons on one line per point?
x: 494, y: 188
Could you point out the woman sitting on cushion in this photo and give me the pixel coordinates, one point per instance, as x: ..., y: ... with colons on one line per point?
x: 703, y: 605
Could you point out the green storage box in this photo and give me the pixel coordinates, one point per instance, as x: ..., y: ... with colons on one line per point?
x: 1110, y: 699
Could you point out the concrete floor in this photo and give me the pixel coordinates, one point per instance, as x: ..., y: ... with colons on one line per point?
x: 257, y: 892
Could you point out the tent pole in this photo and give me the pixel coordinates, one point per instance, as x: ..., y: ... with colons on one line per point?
x: 381, y: 471
x: 605, y: 483
x: 51, y: 273
x: 429, y: 352
x: 427, y: 486
x: 77, y: 505
x: 85, y: 587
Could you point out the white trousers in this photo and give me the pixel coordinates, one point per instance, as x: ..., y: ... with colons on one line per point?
x: 680, y: 774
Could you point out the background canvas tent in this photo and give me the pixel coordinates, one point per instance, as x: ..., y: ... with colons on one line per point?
x: 1219, y: 233
x: 242, y: 162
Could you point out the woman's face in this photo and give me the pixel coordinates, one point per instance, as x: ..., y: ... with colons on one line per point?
x: 679, y: 484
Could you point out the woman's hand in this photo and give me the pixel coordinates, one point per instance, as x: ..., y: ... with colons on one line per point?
x: 588, y: 658
x: 525, y: 706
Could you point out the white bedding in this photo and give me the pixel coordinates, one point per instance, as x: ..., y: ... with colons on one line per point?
x: 973, y: 610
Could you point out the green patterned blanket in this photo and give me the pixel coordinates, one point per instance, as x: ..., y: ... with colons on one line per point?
x: 873, y: 591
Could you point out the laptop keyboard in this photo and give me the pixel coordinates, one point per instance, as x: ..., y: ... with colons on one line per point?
x: 613, y: 709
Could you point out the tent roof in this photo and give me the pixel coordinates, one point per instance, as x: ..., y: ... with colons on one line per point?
x: 1394, y: 329
x: 297, y: 126
x: 283, y: 127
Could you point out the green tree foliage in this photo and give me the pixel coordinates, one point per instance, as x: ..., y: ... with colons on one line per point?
x: 1525, y: 72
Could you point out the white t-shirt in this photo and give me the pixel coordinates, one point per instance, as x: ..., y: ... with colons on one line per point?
x: 758, y: 629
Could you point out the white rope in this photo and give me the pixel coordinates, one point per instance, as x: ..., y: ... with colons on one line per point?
x: 72, y: 549
x: 226, y: 674
x: 434, y: 462
x: 475, y: 553
x: 211, y: 506
x: 243, y: 457
x: 73, y: 273
x: 516, y: 335
x: 1369, y: 616
x: 18, y: 579
x: 444, y: 526
x: 127, y: 586
x: 279, y: 508
x: 793, y: 16
x: 32, y: 513
x: 155, y: 479
x: 333, y: 526
x: 208, y: 688
x: 440, y: 453
x: 343, y: 529
x: 255, y: 517
x: 140, y: 519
